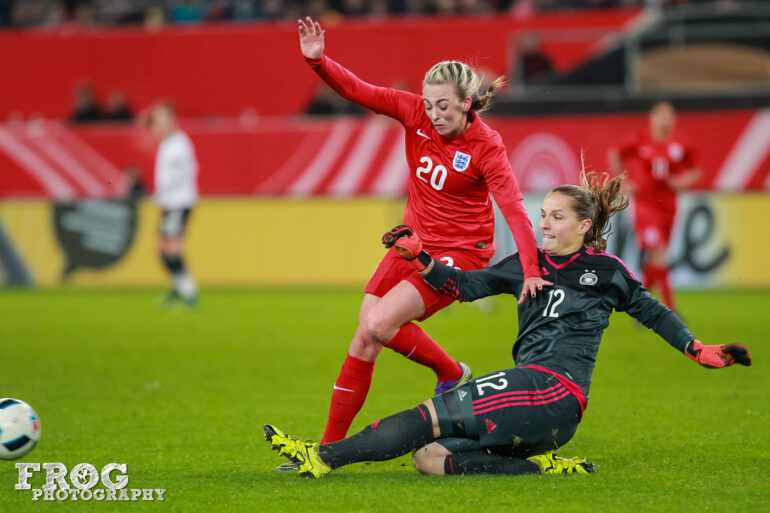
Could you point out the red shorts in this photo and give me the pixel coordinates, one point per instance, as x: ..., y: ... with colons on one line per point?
x: 393, y: 269
x: 653, y: 226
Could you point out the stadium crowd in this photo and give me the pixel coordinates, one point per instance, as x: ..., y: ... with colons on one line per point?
x: 155, y: 13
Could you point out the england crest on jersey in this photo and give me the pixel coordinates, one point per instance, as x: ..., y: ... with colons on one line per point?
x: 461, y: 161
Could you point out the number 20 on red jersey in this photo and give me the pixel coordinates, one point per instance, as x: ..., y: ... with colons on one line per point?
x: 435, y: 176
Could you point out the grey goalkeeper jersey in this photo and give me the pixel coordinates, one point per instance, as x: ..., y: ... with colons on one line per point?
x: 561, y: 328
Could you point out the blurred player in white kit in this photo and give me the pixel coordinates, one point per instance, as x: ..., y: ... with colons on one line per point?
x: 176, y: 193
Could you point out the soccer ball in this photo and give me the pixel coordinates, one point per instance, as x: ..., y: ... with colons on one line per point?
x: 19, y: 429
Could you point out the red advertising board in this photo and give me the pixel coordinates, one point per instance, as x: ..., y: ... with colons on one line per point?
x: 223, y: 70
x: 358, y: 156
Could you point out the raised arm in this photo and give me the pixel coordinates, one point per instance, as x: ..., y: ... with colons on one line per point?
x: 311, y: 38
x: 504, y: 278
x: 383, y: 100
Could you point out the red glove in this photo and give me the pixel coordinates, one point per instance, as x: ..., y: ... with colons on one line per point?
x: 408, y: 246
x: 715, y: 357
x: 390, y: 237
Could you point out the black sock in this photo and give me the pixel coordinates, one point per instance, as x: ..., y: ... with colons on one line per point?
x: 383, y: 440
x: 174, y: 263
x: 483, y: 463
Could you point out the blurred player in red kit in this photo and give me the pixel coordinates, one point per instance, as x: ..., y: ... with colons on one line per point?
x: 660, y: 163
x: 455, y: 161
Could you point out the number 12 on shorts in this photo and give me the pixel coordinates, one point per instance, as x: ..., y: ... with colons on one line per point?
x: 486, y: 381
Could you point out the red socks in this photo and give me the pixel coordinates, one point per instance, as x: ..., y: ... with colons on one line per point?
x: 658, y: 276
x: 348, y: 397
x: 354, y: 379
x: 412, y: 342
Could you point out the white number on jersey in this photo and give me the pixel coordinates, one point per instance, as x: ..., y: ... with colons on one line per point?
x: 448, y: 260
x: 500, y: 385
x: 559, y: 294
x: 437, y: 174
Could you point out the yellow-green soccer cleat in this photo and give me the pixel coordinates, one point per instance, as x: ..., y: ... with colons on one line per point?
x: 303, y: 453
x: 550, y: 463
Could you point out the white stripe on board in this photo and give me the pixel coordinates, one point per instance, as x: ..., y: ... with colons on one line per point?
x: 324, y: 159
x: 95, y: 162
x: 48, y: 177
x: 394, y: 172
x: 746, y: 155
x: 303, y: 152
x: 354, y: 169
x: 64, y: 160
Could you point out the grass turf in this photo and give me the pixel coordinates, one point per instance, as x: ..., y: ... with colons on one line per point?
x: 180, y: 397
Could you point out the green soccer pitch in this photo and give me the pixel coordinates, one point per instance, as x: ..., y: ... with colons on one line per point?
x: 180, y: 397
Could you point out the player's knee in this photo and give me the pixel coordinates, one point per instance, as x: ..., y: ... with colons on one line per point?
x: 378, y: 335
x: 378, y: 328
x: 420, y: 460
x: 363, y: 347
x: 428, y: 460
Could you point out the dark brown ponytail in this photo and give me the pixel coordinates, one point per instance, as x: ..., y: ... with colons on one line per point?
x: 598, y: 198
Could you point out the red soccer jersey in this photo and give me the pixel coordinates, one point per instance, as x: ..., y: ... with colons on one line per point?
x: 449, y: 179
x: 650, y: 163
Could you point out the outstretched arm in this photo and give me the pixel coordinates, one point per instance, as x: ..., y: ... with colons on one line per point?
x: 650, y: 312
x: 504, y: 278
x: 383, y: 100
x: 504, y: 188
